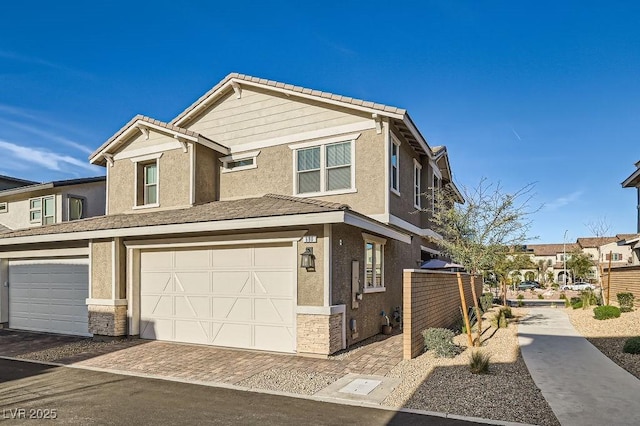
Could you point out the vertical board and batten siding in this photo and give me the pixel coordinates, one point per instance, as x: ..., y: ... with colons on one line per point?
x: 624, y: 279
x: 259, y: 116
x: 431, y: 299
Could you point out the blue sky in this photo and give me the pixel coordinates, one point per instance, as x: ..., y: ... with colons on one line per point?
x: 519, y: 92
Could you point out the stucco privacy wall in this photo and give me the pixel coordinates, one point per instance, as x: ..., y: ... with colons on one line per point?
x: 275, y: 169
x: 624, y: 279
x: 431, y: 299
x: 348, y: 245
x: 173, y: 182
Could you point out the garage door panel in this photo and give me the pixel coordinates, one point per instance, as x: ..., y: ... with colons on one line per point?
x: 157, y: 261
x: 192, y: 307
x: 157, y: 282
x: 231, y: 258
x: 49, y: 296
x: 238, y: 282
x: 226, y: 302
x: 192, y: 282
x: 274, y: 283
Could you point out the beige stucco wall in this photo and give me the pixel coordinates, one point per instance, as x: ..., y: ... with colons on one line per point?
x: 275, y: 170
x: 101, y: 256
x: 311, y: 283
x: 173, y: 183
x: 348, y: 245
x: 207, y: 174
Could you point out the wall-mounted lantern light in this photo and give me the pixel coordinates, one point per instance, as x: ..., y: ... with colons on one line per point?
x: 308, y: 259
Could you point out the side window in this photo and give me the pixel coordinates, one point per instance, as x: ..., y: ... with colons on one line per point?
x: 417, y: 192
x: 373, y: 263
x: 394, y: 159
x: 76, y: 208
x: 147, y: 183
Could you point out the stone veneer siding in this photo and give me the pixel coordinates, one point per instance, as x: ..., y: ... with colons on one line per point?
x: 431, y: 299
x: 108, y: 320
x: 319, y: 334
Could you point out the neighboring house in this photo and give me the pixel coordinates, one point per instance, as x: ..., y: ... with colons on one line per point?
x: 552, y: 255
x: 38, y: 204
x: 633, y: 181
x: 8, y: 182
x: 264, y: 216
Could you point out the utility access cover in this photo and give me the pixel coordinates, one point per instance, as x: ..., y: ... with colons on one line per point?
x: 360, y: 387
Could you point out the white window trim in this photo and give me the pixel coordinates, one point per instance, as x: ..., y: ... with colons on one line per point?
x: 323, y: 169
x: 372, y: 239
x: 41, y: 209
x: 434, y: 190
x: 84, y: 206
x: 155, y: 157
x: 394, y: 141
x: 4, y: 207
x: 238, y: 157
x: 417, y: 184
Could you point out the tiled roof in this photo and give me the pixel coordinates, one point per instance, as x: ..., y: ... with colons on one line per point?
x: 626, y: 236
x: 150, y: 120
x: 299, y: 89
x: 551, y: 249
x: 593, y: 242
x: 266, y: 206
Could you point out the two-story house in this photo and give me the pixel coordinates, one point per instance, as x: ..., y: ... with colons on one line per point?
x: 264, y: 216
x: 38, y: 204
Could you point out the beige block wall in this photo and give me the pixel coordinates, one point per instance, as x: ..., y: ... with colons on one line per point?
x: 173, y: 184
x: 624, y: 279
x: 207, y: 174
x: 311, y: 283
x: 108, y: 320
x: 101, y: 269
x: 431, y: 299
x: 275, y: 170
x: 319, y: 334
x: 348, y: 245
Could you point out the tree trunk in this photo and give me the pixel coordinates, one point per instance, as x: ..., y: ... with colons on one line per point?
x: 477, y: 307
x: 464, y: 309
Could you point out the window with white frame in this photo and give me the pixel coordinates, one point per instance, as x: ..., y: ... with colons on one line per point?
x: 237, y: 162
x: 613, y: 256
x: 42, y: 210
x: 373, y: 263
x: 75, y: 207
x: 434, y: 192
x: 324, y: 168
x: 394, y: 160
x: 417, y: 192
x: 147, y: 182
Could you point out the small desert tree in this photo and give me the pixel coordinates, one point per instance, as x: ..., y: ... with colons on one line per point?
x: 542, y: 267
x: 475, y: 233
x: 580, y: 264
x: 599, y: 228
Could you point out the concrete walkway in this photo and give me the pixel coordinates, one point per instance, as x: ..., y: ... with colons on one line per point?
x: 582, y: 386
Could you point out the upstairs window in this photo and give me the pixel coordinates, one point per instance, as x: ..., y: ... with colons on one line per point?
x: 434, y: 192
x: 76, y: 208
x: 417, y: 192
x: 147, y: 183
x: 613, y: 257
x: 42, y: 210
x: 237, y: 162
x: 324, y: 169
x: 394, y: 159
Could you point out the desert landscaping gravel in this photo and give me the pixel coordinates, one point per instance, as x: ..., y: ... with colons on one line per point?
x: 609, y: 335
x: 507, y: 393
x: 293, y: 381
x: 69, y: 350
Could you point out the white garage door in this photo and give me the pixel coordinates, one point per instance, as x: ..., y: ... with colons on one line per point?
x: 49, y: 296
x: 240, y: 297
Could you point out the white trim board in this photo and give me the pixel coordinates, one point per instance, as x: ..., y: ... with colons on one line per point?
x: 50, y: 253
x: 400, y: 223
x: 219, y: 225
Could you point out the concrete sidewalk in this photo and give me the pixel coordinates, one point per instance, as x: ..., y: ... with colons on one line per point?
x: 582, y: 386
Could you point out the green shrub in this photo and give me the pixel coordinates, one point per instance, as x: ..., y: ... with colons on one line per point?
x: 520, y: 297
x: 575, y: 300
x: 486, y: 301
x: 625, y: 300
x: 479, y: 363
x: 540, y: 296
x: 507, y: 312
x: 563, y: 296
x: 577, y: 305
x: 606, y: 312
x: 632, y: 346
x: 440, y: 341
x: 499, y: 320
x: 588, y: 298
x: 567, y: 303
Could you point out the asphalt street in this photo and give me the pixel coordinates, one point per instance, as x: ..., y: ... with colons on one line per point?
x: 30, y: 392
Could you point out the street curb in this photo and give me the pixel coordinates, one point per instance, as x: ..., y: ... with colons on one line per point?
x: 272, y: 392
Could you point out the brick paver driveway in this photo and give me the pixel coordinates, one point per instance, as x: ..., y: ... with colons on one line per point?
x: 197, y: 362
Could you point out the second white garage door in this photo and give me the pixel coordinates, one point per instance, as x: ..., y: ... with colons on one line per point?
x: 230, y: 296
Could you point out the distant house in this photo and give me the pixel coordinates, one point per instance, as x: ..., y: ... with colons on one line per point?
x: 8, y: 182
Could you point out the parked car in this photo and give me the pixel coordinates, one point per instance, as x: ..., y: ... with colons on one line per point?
x: 528, y: 285
x: 579, y: 286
